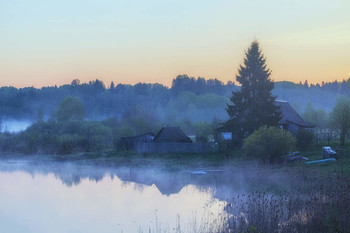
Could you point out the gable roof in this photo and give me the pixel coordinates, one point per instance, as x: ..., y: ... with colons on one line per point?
x: 289, y: 115
x: 171, y: 134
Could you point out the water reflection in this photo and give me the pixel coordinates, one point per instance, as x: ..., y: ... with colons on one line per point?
x: 167, y: 181
x: 63, y: 197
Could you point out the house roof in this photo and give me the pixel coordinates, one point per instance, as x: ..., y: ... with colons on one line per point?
x: 171, y: 134
x: 289, y: 115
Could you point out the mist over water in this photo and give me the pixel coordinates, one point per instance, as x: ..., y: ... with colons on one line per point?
x: 64, y: 197
x: 14, y: 126
x: 46, y: 195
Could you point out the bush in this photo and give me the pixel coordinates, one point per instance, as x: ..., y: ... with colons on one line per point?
x: 39, y: 137
x: 61, y: 137
x: 7, y: 142
x: 203, y: 130
x: 68, y: 143
x: 269, y: 145
x: 304, y: 138
x: 70, y: 108
x: 83, y: 136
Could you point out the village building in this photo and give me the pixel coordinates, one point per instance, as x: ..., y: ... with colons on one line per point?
x: 129, y: 143
x: 168, y: 140
x: 291, y: 120
x: 171, y: 134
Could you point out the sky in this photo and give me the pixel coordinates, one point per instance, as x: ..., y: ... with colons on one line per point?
x: 46, y: 42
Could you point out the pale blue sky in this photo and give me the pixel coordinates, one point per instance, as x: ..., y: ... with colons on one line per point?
x: 52, y: 42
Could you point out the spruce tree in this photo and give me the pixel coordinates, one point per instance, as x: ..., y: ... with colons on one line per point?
x: 253, y: 105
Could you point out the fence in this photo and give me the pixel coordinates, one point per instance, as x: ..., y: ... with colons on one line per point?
x: 175, y: 147
x: 326, y: 135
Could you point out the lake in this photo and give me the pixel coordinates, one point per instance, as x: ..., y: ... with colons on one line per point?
x: 49, y: 194
x: 68, y: 197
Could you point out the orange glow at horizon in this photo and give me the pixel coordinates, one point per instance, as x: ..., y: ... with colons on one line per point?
x: 51, y: 43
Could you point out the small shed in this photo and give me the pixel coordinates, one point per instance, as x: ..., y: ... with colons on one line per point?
x: 171, y: 134
x: 129, y: 143
x: 291, y: 120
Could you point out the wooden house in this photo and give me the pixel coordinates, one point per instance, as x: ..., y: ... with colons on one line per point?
x: 171, y: 134
x: 129, y: 143
x: 291, y: 120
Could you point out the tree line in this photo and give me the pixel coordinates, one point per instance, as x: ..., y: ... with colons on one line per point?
x: 90, y: 116
x: 196, y: 99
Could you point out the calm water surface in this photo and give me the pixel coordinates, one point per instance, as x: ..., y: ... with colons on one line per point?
x: 65, y: 197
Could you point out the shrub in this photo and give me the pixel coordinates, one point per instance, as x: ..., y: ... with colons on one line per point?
x: 269, y: 145
x: 67, y: 143
x: 38, y: 137
x: 7, y: 142
x: 304, y: 138
x: 71, y: 108
x: 83, y: 136
x: 62, y: 137
x: 203, y: 130
x: 98, y: 136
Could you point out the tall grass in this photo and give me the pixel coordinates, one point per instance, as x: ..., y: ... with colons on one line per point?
x: 308, y: 202
x: 321, y: 207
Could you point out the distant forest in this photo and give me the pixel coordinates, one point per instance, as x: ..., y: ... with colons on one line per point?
x: 188, y: 98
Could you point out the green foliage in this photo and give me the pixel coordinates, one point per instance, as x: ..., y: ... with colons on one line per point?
x: 127, y: 131
x: 253, y: 106
x: 68, y: 143
x: 210, y: 99
x: 64, y: 137
x: 83, y: 136
x: 316, y: 116
x: 197, y: 85
x: 304, y: 138
x: 203, y: 130
x: 38, y: 137
x: 340, y: 117
x: 138, y: 120
x: 8, y: 142
x: 269, y: 145
x: 40, y: 116
x: 71, y: 108
x: 98, y: 136
x: 188, y: 105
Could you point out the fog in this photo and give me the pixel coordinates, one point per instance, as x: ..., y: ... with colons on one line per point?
x: 66, y: 197
x: 45, y: 195
x: 14, y: 126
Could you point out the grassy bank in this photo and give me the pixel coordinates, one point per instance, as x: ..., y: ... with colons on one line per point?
x: 233, y: 157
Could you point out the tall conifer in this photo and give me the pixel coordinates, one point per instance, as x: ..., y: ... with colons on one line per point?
x: 253, y: 105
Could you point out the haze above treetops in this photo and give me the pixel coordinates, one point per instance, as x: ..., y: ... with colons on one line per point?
x: 45, y: 43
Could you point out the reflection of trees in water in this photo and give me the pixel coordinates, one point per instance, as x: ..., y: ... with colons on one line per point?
x: 69, y: 179
x: 271, y: 200
x: 167, y: 182
x: 139, y: 187
x: 73, y: 174
x: 70, y: 175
